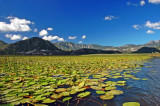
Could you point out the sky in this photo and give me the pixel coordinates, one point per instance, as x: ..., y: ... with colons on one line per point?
x: 102, y: 22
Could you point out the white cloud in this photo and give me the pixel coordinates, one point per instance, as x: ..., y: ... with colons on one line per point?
x: 24, y: 38
x: 49, y: 29
x: 43, y: 33
x: 136, y: 26
x: 15, y: 24
x: 84, y: 37
x: 60, y: 39
x: 35, y: 30
x: 13, y: 37
x: 131, y: 4
x: 154, y: 1
x: 142, y: 2
x: 80, y: 42
x: 150, y: 32
x: 50, y: 38
x: 72, y: 37
x: 110, y: 17
x: 155, y: 25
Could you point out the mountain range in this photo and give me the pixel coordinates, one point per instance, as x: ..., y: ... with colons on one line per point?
x: 38, y: 46
x: 126, y: 48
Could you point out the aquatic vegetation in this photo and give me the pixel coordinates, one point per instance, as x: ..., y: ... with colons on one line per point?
x: 131, y: 104
x: 41, y: 80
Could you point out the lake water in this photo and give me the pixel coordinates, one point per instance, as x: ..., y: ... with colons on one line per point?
x: 146, y: 92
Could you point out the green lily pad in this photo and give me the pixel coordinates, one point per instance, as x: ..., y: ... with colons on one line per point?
x: 57, y: 96
x: 84, y: 94
x: 48, y: 100
x: 26, y: 100
x: 114, y: 92
x: 39, y: 98
x: 80, y: 89
x: 100, y: 92
x: 96, y: 87
x: 23, y: 94
x: 67, y: 98
x: 81, y: 84
x: 65, y: 93
x: 7, y: 105
x: 72, y: 92
x: 15, y: 103
x: 60, y: 90
x: 107, y: 97
x: 40, y: 105
x: 131, y: 104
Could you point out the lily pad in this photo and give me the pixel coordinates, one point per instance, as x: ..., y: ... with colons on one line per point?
x: 115, y: 92
x: 39, y: 98
x: 57, y: 96
x: 60, y: 90
x: 67, y: 98
x: 81, y: 84
x: 96, y: 87
x: 100, y: 92
x: 23, y: 94
x: 65, y: 93
x: 84, y: 94
x: 131, y: 104
x: 48, y: 100
x: 107, y: 97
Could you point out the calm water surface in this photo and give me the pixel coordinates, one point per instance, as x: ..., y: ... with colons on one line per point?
x: 147, y: 92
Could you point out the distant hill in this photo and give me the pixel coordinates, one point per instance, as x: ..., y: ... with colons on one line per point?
x: 92, y: 51
x: 72, y: 46
x: 147, y: 50
x: 38, y: 46
x: 34, y: 45
x: 152, y: 43
x: 2, y: 44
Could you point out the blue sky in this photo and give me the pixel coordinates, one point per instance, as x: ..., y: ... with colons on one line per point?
x: 103, y: 22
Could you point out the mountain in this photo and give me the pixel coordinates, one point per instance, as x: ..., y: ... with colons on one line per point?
x: 152, y: 43
x: 38, y: 46
x: 2, y: 44
x: 91, y: 51
x: 147, y: 50
x: 72, y: 46
x: 125, y: 49
x: 34, y: 45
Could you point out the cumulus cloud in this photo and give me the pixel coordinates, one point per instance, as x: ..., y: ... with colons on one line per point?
x: 13, y: 37
x: 43, y: 33
x: 16, y: 24
x: 72, y: 37
x: 49, y: 29
x: 136, y: 26
x: 84, y: 37
x: 154, y: 1
x: 150, y: 32
x: 142, y: 2
x: 24, y: 38
x: 110, y: 17
x: 80, y: 42
x: 155, y: 25
x: 50, y: 38
x: 131, y: 4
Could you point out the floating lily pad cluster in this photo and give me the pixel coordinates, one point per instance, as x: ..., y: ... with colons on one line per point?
x: 42, y: 80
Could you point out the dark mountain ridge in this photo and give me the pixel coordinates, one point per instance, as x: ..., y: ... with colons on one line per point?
x: 38, y: 46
